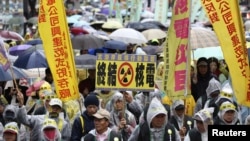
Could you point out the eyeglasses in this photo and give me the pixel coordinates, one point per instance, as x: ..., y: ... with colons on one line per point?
x: 227, y: 106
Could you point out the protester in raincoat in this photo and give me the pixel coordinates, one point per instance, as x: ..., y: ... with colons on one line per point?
x: 10, y: 115
x: 50, y: 131
x: 203, y: 118
x: 212, y: 93
x: 102, y: 132
x: 35, y: 121
x: 122, y: 120
x: 156, y: 125
x: 227, y: 115
x: 11, y: 132
x: 182, y: 122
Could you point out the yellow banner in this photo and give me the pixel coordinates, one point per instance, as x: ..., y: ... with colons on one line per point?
x: 227, y: 22
x: 176, y: 82
x: 125, y: 72
x: 54, y: 32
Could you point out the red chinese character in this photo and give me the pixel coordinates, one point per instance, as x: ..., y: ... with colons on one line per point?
x: 181, y: 54
x: 224, y: 6
x: 214, y: 17
x: 59, y: 52
x: 181, y: 28
x: 205, y: 1
x: 210, y: 8
x: 181, y: 6
x: 239, y: 51
x: 231, y: 28
x: 57, y: 41
x: 51, y: 2
x: 180, y: 80
x: 242, y: 63
x: 53, y: 11
x: 65, y: 93
x: 56, y: 30
x: 54, y: 21
x: 60, y: 62
x: 235, y: 40
x: 227, y: 17
x: 41, y: 9
x: 62, y: 72
x: 42, y: 18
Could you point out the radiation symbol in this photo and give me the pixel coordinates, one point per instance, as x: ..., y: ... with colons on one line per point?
x: 125, y: 75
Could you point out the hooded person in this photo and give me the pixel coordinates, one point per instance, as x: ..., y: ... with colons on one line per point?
x: 10, y: 115
x: 156, y: 127
x: 85, y: 122
x: 227, y: 115
x: 11, y: 132
x: 247, y: 121
x: 122, y: 120
x: 182, y: 122
x: 202, y: 118
x: 204, y: 75
x: 212, y: 93
x: 34, y: 122
x: 50, y: 131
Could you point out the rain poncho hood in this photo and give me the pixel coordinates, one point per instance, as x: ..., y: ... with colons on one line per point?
x: 10, y: 113
x: 154, y: 109
x: 13, y: 128
x: 54, y: 135
x: 213, y: 85
x: 206, y: 116
x: 227, y: 106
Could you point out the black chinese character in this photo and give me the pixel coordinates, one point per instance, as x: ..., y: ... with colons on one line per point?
x: 139, y: 75
x: 101, y: 73
x: 112, y: 74
x: 150, y: 71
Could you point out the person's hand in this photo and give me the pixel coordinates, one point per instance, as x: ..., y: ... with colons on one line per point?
x: 183, y: 131
x: 20, y: 98
x: 122, y: 123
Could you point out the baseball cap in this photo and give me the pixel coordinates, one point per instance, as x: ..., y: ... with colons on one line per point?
x: 55, y: 101
x: 102, y: 113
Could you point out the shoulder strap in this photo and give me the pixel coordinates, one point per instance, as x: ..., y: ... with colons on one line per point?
x: 82, y: 123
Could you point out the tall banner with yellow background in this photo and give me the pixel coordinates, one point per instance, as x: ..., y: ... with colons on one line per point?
x: 54, y: 32
x: 176, y: 81
x: 227, y: 22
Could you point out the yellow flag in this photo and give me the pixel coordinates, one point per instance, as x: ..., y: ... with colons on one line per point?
x: 227, y: 22
x: 54, y: 33
x: 177, y: 55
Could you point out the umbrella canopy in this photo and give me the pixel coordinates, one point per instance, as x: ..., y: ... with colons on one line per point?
x: 33, y: 20
x: 203, y: 37
x: 128, y: 36
x: 117, y: 45
x: 31, y: 58
x: 112, y: 24
x: 19, y: 49
x: 85, y: 61
x: 34, y: 42
x: 154, y: 34
x: 86, y: 42
x: 16, y: 20
x: 208, y: 52
x: 152, y: 50
x: 6, y: 35
x: 8, y: 75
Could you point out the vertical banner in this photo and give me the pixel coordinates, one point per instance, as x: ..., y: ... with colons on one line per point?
x: 3, y: 56
x: 176, y: 82
x: 227, y: 22
x: 161, y: 11
x: 53, y: 29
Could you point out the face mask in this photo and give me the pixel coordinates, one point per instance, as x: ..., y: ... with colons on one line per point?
x: 50, y: 134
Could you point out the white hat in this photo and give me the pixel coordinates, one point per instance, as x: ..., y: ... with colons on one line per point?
x: 102, y: 113
x: 55, y: 101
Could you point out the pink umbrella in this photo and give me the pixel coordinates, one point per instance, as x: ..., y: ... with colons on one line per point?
x: 11, y: 35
